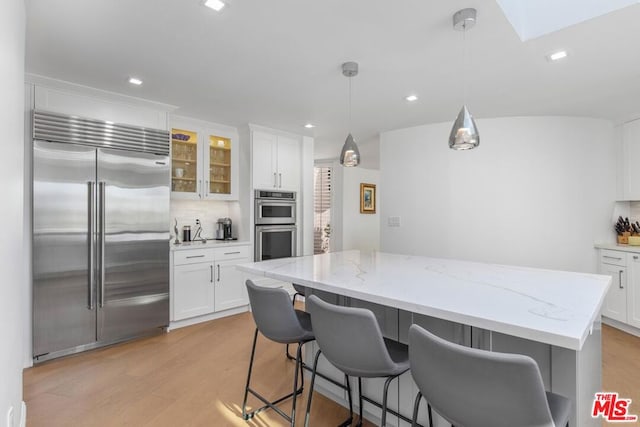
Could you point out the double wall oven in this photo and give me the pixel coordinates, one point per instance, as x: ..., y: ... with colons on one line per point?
x: 275, y: 221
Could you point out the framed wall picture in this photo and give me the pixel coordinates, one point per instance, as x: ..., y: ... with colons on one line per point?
x: 367, y: 198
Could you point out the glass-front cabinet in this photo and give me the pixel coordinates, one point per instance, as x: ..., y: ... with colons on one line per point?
x: 219, y: 155
x: 204, y: 160
x: 184, y: 161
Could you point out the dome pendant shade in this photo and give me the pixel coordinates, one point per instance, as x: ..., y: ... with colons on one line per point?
x: 350, y: 155
x: 464, y: 134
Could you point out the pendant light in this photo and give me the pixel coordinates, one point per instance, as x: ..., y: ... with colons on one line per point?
x: 350, y: 155
x: 464, y: 134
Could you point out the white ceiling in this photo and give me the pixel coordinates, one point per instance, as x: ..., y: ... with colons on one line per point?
x: 277, y: 63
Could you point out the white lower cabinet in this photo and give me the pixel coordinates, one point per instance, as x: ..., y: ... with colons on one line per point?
x: 633, y: 290
x: 193, y: 295
x: 230, y: 289
x: 623, y: 299
x: 615, y: 305
x: 206, y: 282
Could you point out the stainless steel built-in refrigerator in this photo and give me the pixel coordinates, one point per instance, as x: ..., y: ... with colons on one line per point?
x: 100, y: 233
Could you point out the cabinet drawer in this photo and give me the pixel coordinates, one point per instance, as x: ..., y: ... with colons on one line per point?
x: 233, y: 252
x: 192, y: 256
x: 613, y: 257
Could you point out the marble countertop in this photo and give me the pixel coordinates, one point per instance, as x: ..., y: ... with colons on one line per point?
x: 209, y: 244
x: 616, y: 247
x: 554, y: 307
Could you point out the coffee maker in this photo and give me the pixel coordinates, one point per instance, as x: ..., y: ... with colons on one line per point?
x: 223, y: 230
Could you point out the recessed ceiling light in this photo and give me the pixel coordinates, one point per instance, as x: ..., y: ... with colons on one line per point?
x: 557, y: 55
x: 411, y: 98
x: 135, y: 81
x: 309, y: 125
x: 216, y: 5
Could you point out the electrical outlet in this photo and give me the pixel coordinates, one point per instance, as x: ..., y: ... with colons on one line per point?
x: 393, y: 221
x: 10, y: 417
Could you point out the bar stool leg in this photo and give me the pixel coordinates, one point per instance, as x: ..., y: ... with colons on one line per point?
x: 293, y: 302
x: 360, y: 401
x: 416, y: 408
x: 246, y: 389
x: 313, y: 380
x: 383, y: 422
x: 286, y: 352
x: 296, y: 391
x: 430, y: 416
x: 349, y: 420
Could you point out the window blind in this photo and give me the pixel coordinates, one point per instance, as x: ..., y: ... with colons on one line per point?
x: 321, y: 209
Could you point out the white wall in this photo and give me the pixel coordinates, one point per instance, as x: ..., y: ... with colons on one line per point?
x: 350, y: 228
x: 12, y: 30
x: 359, y: 231
x: 306, y: 193
x: 539, y: 191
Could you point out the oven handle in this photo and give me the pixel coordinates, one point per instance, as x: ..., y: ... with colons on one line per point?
x: 271, y: 228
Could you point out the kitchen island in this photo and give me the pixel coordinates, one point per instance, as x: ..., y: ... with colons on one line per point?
x: 552, y: 316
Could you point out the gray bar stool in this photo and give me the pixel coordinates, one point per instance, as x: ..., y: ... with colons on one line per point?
x: 351, y: 340
x: 470, y: 387
x: 277, y: 320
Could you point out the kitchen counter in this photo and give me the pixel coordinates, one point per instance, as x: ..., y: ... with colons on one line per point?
x: 209, y: 244
x: 615, y: 247
x: 551, y: 316
x: 552, y: 307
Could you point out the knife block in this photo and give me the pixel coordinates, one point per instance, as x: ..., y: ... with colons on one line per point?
x: 624, y: 239
x: 634, y: 240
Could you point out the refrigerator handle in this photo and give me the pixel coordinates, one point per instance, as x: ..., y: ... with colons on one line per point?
x: 101, y: 221
x: 91, y: 239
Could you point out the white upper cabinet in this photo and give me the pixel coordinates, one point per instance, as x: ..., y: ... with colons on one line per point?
x: 289, y: 152
x: 265, y: 149
x: 631, y: 158
x: 204, y: 160
x: 276, y: 161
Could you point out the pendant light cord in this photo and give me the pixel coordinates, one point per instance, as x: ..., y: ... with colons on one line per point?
x: 464, y: 64
x: 349, y: 124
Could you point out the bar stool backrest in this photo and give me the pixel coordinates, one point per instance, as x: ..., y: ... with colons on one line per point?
x: 273, y: 313
x: 350, y: 338
x: 477, y: 388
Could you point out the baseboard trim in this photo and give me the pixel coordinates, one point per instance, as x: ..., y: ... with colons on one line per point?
x: 23, y: 414
x: 207, y: 317
x: 622, y: 326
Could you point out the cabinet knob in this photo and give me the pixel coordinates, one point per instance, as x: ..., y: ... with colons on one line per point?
x: 635, y: 257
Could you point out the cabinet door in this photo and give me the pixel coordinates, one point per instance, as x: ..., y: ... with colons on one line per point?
x: 229, y: 285
x: 289, y: 152
x: 186, y: 163
x: 264, y: 148
x: 631, y: 150
x: 193, y: 290
x: 220, y: 172
x: 633, y: 290
x: 615, y: 304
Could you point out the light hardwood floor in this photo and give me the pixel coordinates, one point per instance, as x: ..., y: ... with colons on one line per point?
x: 195, y: 377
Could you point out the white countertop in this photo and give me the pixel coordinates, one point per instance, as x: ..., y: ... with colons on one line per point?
x: 209, y: 244
x: 553, y: 307
x: 615, y: 247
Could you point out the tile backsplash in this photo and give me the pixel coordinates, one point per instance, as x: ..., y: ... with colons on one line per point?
x: 634, y: 211
x: 207, y: 211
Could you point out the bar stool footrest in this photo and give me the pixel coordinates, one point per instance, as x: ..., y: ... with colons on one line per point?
x: 268, y: 404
